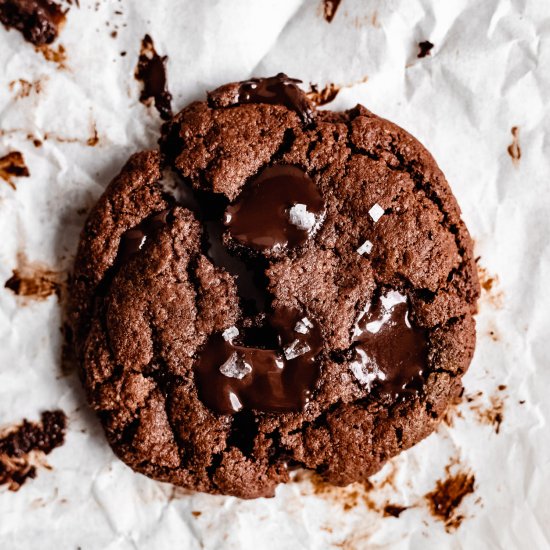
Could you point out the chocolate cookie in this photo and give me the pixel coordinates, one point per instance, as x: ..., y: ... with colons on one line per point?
x: 304, y: 297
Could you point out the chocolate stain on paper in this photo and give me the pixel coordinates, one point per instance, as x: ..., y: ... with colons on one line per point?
x: 329, y: 9
x: 13, y: 166
x: 445, y: 499
x: 39, y: 21
x: 151, y: 72
x: 514, y: 150
x: 23, y: 447
x: 34, y: 280
x: 323, y: 96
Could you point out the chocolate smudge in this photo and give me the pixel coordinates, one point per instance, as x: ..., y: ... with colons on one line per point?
x: 22, y: 445
x: 393, y: 510
x: 323, y: 96
x: 93, y: 140
x: 151, y: 71
x: 424, y: 49
x: 39, y: 21
x: 34, y: 280
x: 13, y: 166
x: 58, y: 56
x: 489, y: 287
x: 329, y: 9
x: 23, y: 88
x: 514, y: 149
x: 444, y: 501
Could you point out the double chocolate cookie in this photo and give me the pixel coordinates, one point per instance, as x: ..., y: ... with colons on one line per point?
x: 302, y: 298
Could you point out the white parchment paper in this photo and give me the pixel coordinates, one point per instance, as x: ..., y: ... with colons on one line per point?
x: 489, y: 70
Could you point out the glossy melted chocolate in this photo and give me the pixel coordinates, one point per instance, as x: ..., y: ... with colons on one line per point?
x: 279, y: 208
x: 277, y: 90
x: 390, y: 353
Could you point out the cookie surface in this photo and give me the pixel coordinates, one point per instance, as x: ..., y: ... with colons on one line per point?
x: 305, y: 300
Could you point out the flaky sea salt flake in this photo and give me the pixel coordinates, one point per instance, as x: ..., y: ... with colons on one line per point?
x: 365, y: 248
x: 301, y: 218
x: 376, y: 212
x: 235, y: 367
x: 229, y: 334
x: 296, y: 349
x: 303, y: 326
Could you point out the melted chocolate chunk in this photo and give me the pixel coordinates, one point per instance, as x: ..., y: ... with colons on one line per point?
x: 280, y: 208
x: 151, y: 71
x: 37, y: 20
x: 277, y: 90
x: 132, y: 240
x: 231, y: 376
x: 390, y: 353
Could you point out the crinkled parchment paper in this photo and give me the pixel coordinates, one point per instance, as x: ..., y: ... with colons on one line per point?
x: 489, y: 71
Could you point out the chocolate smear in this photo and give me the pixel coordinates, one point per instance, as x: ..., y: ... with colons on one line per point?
x: 447, y: 496
x: 329, y: 9
x: 13, y: 166
x: 21, y: 446
x: 277, y: 90
x: 34, y: 280
x: 424, y: 49
x: 151, y: 71
x: 38, y: 20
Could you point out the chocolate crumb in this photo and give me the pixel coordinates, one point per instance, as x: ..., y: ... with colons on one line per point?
x: 20, y: 445
x: 37, y: 143
x: 13, y: 166
x: 394, y: 510
x: 324, y: 96
x: 196, y: 513
x: 58, y: 56
x: 329, y: 9
x: 23, y: 88
x: 447, y: 496
x: 424, y: 48
x: 122, y: 54
x: 514, y: 149
x: 34, y: 280
x: 38, y: 20
x: 151, y: 71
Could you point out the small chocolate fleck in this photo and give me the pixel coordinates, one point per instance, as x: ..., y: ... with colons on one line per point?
x: 424, y: 48
x: 324, y: 96
x: 329, y: 9
x: 447, y: 496
x: 13, y: 166
x: 151, y: 71
x: 58, y: 56
x: 93, y: 140
x: 38, y: 20
x: 20, y: 443
x: 514, y: 149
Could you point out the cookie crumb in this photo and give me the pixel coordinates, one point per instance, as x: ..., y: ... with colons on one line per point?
x: 424, y: 48
x: 329, y: 9
x: 514, y: 150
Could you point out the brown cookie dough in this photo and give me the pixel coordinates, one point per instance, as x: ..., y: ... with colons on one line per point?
x: 308, y: 303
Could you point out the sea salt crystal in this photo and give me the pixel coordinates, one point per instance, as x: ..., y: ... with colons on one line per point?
x: 229, y: 334
x: 365, y: 370
x: 376, y: 212
x: 296, y: 349
x: 235, y: 367
x: 301, y: 218
x: 365, y: 248
x: 303, y: 326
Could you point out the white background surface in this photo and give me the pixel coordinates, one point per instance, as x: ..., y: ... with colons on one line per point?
x: 489, y: 71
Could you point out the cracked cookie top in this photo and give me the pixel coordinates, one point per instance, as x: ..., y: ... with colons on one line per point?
x: 305, y: 298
